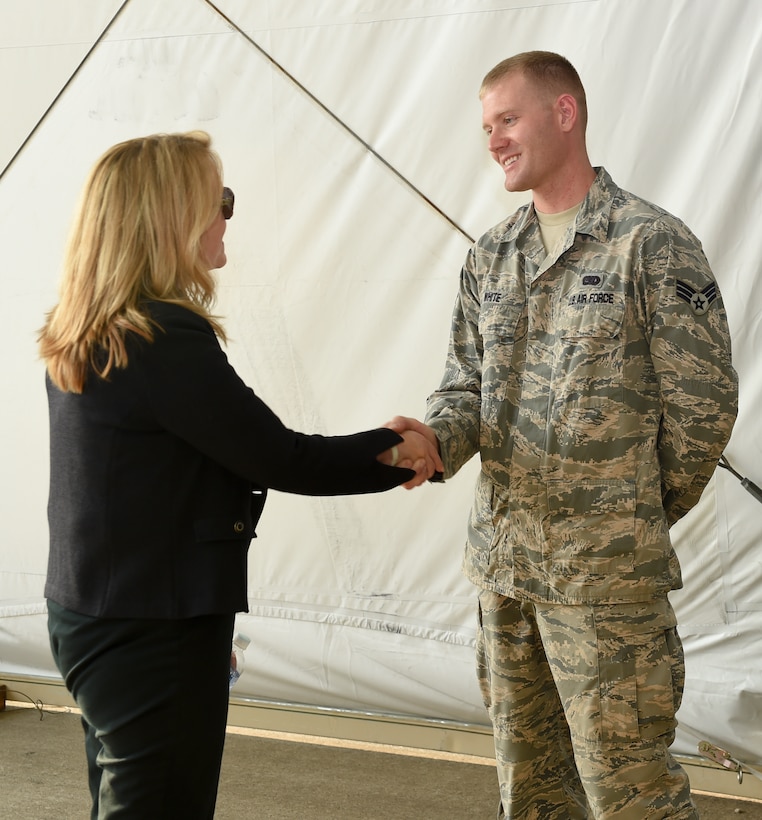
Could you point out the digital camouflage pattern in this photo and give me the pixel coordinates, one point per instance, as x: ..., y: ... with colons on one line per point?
x: 596, y: 384
x: 582, y: 700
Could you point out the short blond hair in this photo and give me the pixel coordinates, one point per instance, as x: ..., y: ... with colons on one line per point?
x: 549, y: 72
x: 136, y: 237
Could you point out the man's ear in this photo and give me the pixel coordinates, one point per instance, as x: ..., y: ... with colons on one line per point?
x: 566, y: 106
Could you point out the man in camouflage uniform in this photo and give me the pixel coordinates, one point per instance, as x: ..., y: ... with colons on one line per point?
x: 589, y: 366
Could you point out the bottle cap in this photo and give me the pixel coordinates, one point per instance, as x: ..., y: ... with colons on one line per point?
x: 241, y: 640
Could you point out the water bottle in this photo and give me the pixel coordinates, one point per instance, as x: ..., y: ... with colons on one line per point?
x: 240, y: 642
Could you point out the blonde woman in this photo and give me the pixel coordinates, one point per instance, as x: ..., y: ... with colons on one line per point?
x: 161, y: 458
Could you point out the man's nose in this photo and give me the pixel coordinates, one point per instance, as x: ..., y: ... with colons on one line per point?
x: 496, y: 140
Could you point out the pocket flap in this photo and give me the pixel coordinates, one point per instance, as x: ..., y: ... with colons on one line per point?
x: 596, y: 496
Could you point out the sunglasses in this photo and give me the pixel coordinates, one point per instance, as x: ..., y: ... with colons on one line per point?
x: 228, y: 200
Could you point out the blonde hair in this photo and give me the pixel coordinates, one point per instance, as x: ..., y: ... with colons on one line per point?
x: 551, y: 73
x: 136, y: 237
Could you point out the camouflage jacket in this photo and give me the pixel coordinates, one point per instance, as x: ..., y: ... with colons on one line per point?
x: 596, y: 384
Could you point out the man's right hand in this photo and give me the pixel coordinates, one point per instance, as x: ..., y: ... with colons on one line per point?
x: 405, y: 424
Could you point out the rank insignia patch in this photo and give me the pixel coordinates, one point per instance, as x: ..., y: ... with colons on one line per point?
x: 699, y: 300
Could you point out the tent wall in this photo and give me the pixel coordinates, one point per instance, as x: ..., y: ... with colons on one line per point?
x: 350, y: 132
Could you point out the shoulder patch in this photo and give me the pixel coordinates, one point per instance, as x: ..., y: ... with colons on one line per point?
x: 699, y: 300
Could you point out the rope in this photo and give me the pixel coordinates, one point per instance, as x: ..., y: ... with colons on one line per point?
x: 355, y: 136
x: 63, y: 89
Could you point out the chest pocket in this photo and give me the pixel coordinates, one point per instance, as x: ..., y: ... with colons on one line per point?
x: 590, y: 352
x: 600, y: 319
x: 501, y: 326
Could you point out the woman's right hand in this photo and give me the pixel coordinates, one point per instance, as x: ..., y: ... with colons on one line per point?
x: 418, y: 451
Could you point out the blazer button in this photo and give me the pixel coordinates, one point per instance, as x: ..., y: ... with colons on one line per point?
x: 239, y: 526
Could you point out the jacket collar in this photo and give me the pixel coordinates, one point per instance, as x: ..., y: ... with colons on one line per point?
x: 592, y: 219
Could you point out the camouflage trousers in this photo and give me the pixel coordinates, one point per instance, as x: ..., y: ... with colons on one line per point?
x: 582, y: 701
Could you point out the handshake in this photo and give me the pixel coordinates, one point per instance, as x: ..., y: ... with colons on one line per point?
x: 418, y: 451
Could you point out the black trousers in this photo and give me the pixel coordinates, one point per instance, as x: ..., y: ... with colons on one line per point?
x: 154, y: 701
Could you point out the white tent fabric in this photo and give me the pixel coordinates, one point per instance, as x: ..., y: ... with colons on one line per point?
x: 350, y: 132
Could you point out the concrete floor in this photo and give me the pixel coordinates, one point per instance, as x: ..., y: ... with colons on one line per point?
x: 42, y: 777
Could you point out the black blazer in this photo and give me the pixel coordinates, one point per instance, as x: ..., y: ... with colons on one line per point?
x: 158, y: 476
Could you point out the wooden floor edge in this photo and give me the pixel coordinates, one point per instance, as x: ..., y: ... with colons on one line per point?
x: 389, y: 734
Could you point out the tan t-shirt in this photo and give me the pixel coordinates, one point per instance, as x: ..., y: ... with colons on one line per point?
x: 553, y: 226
